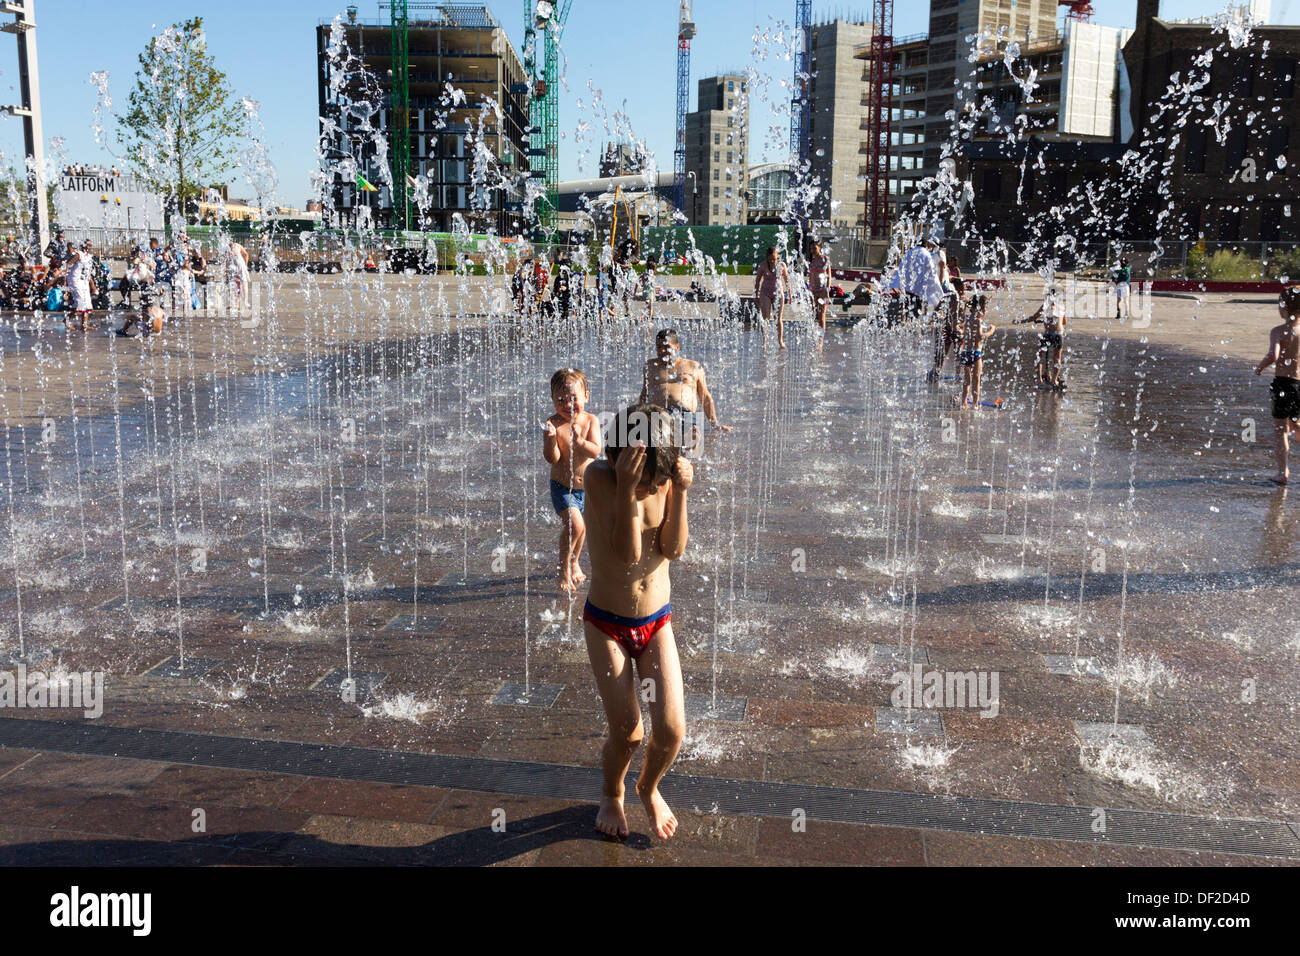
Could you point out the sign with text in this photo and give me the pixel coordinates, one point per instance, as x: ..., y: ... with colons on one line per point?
x: 105, y: 200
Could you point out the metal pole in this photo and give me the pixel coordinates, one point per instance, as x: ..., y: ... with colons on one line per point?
x: 24, y: 26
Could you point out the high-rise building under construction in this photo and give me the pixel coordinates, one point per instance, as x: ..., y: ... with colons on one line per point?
x: 837, y: 98
x: 466, y: 89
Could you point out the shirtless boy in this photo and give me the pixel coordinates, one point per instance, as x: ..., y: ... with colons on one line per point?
x: 571, y: 440
x: 1283, y: 355
x: 638, y: 525
x: 678, y: 384
x: 1051, y: 342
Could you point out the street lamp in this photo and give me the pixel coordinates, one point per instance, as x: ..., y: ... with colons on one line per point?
x: 24, y: 28
x: 695, y: 189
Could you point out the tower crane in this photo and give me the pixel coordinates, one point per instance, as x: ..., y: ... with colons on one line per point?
x: 881, y: 76
x: 685, y: 31
x: 544, y: 24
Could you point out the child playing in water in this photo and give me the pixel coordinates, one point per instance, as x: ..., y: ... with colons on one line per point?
x: 648, y: 281
x: 1122, y: 277
x: 571, y: 439
x: 1051, y: 343
x: 972, y: 334
x: 772, y: 290
x: 1284, y: 356
x: 638, y: 525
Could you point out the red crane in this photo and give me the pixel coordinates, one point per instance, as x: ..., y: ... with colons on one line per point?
x: 1080, y: 10
x: 876, y: 218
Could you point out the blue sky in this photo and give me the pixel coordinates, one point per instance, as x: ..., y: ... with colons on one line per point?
x: 626, y: 50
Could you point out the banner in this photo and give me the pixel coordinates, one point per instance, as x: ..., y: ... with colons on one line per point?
x: 96, y: 199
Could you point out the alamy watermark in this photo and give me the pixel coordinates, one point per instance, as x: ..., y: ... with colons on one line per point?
x: 1091, y: 300
x: 936, y: 689
x: 687, y: 429
x: 65, y: 690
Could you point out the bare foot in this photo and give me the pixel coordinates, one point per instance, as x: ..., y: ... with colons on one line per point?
x: 1278, y: 480
x: 576, y: 574
x: 566, y: 581
x: 610, y: 819
x: 662, y: 820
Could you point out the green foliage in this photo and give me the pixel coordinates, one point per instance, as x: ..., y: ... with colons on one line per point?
x: 1223, y: 265
x: 1285, y: 263
x: 13, y: 202
x: 445, y: 246
x: 179, y: 130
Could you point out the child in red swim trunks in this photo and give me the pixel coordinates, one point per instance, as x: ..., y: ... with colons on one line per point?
x: 636, y: 524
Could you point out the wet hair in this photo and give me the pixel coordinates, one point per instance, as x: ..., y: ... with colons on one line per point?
x: 1290, y: 300
x: 567, y: 376
x: 652, y: 426
x: 978, y: 303
x: 668, y: 335
x: 771, y: 250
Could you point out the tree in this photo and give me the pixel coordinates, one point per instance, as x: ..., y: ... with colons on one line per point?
x: 179, y: 130
x: 14, y: 211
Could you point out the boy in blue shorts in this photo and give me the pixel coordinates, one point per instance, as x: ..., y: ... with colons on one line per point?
x: 570, y: 442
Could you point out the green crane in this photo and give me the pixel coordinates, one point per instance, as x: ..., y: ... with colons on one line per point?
x: 541, y: 19
x: 401, y: 116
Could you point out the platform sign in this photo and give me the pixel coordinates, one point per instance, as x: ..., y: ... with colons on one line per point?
x: 104, y: 200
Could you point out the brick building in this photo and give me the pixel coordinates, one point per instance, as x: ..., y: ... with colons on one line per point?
x: 1234, y: 180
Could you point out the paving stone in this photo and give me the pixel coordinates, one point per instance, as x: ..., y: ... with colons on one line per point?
x: 513, y: 694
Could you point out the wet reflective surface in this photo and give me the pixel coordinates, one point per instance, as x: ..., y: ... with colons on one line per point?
x: 1108, y: 558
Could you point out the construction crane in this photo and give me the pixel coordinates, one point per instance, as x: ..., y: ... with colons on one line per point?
x: 881, y: 76
x: 685, y: 31
x: 800, y: 120
x: 1080, y: 10
x: 545, y: 25
x: 401, y: 116
x: 399, y: 159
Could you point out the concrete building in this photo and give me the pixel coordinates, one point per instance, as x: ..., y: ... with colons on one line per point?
x: 1017, y: 182
x: 461, y: 46
x: 949, y: 68
x: 837, y: 96
x: 717, y: 152
x: 1078, y: 73
x: 907, y: 118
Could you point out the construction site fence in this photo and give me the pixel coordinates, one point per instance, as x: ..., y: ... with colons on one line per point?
x: 727, y: 249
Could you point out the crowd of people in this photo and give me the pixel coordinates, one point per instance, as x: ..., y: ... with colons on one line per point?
x: 159, y: 281
x: 90, y: 169
x: 615, y: 280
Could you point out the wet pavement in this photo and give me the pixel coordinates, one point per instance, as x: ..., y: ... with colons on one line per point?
x: 261, y: 534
